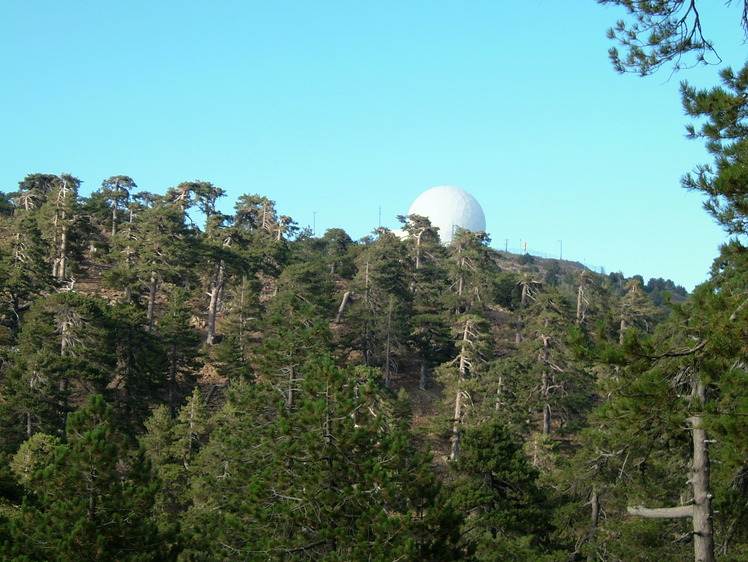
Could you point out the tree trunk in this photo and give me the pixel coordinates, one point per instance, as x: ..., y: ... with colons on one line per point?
x: 16, y: 322
x: 703, y: 528
x: 595, y: 503
x: 545, y: 384
x: 152, y: 290
x: 59, y: 266
x: 289, y: 393
x: 173, y: 381
x: 699, y: 478
x: 518, y: 334
x: 55, y: 248
x: 63, y: 263
x: 388, y: 349
x: 499, y: 389
x: 62, y: 385
x: 344, y: 302
x: 216, y: 287
x: 518, y: 337
x: 418, y: 249
x: 457, y: 422
x: 546, y: 405
x: 114, y: 217
x: 423, y: 380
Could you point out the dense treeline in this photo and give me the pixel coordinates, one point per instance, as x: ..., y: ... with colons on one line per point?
x: 178, y: 382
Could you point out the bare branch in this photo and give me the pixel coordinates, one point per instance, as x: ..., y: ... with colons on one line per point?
x: 680, y: 512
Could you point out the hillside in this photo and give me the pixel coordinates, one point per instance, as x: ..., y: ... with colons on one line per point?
x: 279, y: 383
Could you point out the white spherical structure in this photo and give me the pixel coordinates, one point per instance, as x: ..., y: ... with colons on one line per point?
x: 450, y: 208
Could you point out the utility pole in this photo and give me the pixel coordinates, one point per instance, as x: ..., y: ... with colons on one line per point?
x: 560, y: 249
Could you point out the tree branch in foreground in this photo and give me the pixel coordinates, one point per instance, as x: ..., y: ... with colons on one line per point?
x: 680, y: 512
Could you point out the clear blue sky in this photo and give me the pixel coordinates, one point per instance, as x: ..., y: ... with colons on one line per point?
x: 344, y: 111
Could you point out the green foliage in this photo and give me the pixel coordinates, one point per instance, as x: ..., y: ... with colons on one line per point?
x: 553, y: 384
x: 152, y: 248
x: 66, y: 340
x: 140, y: 365
x: 24, y: 270
x: 307, y: 459
x: 638, y: 449
x: 379, y: 318
x: 660, y: 33
x: 172, y: 445
x: 552, y: 274
x: 310, y: 282
x: 661, y: 291
x: 526, y: 259
x: 507, y: 513
x: 6, y: 204
x: 471, y: 267
x: 116, y: 191
x: 337, y: 247
x: 333, y: 477
x: 333, y: 249
x: 724, y: 112
x: 505, y: 290
x: 242, y: 317
x: 36, y: 453
x: 180, y: 341
x: 87, y: 498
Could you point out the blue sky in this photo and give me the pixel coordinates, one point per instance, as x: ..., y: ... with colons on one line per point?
x: 345, y: 111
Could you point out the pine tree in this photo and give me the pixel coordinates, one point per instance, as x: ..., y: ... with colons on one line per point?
x: 294, y: 336
x: 559, y: 387
x: 332, y: 478
x: 461, y: 377
x: 24, y: 268
x: 337, y: 246
x: 66, y: 340
x: 88, y: 498
x: 379, y: 318
x: 180, y: 342
x: 59, y: 222
x: 140, y: 371
x: 507, y: 512
x: 430, y: 337
x: 116, y: 190
x: 163, y: 247
x: 172, y: 445
x: 242, y: 320
x: 471, y: 269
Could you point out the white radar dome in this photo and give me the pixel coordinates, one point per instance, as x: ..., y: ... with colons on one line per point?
x: 450, y: 208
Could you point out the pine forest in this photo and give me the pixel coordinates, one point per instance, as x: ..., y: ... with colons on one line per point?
x: 183, y: 382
